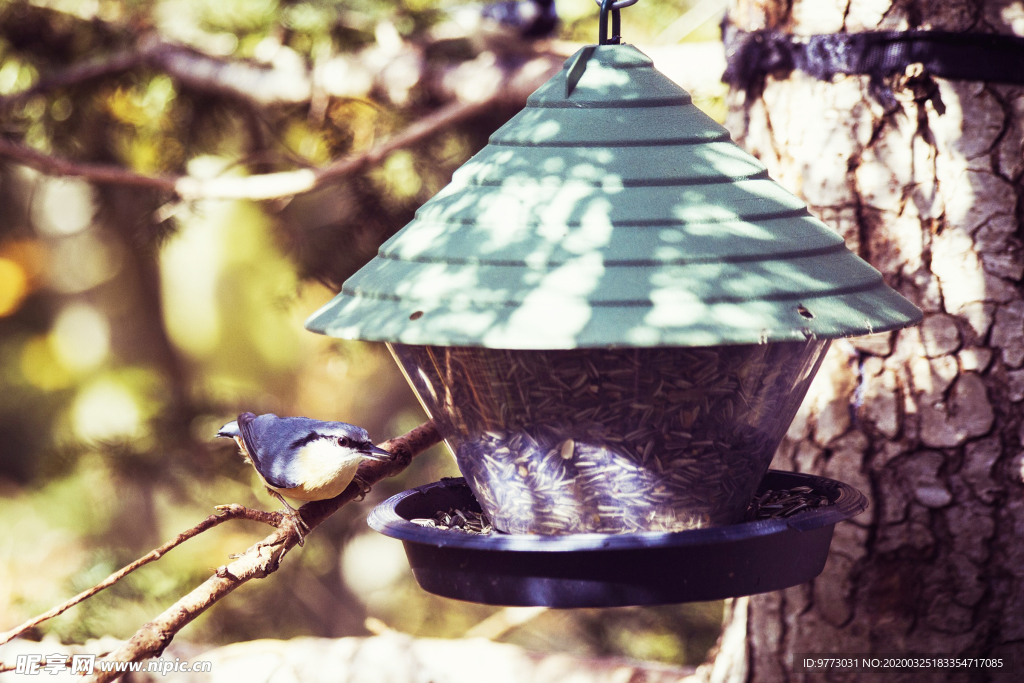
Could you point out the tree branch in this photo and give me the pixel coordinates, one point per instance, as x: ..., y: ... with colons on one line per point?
x: 289, y: 183
x: 241, y: 79
x: 389, y: 74
x: 224, y: 513
x: 255, y: 187
x: 264, y: 557
x: 97, y: 173
x: 467, y: 88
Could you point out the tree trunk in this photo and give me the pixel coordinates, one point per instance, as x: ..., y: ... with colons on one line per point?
x: 926, y: 422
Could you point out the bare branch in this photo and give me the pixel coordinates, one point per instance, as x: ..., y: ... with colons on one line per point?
x: 264, y: 557
x: 97, y: 173
x: 389, y: 74
x: 467, y: 88
x: 256, y: 187
x: 393, y: 73
x: 289, y: 183
x: 241, y: 79
x: 224, y: 513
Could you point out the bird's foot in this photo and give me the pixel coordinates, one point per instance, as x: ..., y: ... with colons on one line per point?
x: 300, y: 526
x: 364, y: 488
x: 293, y: 515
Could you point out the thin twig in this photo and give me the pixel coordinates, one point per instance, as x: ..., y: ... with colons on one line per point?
x: 224, y: 513
x: 264, y: 557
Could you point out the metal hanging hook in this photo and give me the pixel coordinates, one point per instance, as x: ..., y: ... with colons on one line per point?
x: 612, y: 6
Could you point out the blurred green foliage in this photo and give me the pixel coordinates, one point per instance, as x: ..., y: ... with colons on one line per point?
x: 132, y: 326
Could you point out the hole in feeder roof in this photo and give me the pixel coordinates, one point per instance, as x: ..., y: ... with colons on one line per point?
x: 802, y: 310
x: 416, y: 316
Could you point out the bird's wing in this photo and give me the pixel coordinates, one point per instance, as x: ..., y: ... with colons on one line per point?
x: 271, y: 455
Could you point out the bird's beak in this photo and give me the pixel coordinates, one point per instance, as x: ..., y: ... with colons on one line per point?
x: 375, y: 453
x: 229, y: 431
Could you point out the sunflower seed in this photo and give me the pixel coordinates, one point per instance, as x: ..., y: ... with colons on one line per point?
x: 614, y: 440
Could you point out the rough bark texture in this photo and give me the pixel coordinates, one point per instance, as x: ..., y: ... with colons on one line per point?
x: 926, y: 422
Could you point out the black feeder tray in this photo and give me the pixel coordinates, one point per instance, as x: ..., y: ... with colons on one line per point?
x: 609, y: 570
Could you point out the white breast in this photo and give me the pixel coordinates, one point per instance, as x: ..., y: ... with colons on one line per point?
x: 324, y: 468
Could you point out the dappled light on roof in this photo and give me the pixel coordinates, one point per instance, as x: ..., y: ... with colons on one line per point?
x: 616, y: 214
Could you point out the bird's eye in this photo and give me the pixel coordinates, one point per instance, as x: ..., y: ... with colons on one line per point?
x: 344, y: 441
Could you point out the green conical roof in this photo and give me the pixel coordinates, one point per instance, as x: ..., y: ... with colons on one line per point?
x: 612, y: 212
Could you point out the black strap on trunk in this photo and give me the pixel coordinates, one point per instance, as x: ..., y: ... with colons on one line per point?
x: 750, y: 56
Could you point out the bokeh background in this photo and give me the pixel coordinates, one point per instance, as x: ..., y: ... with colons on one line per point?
x: 132, y: 326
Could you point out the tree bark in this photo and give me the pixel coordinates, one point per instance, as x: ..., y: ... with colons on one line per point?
x: 926, y: 422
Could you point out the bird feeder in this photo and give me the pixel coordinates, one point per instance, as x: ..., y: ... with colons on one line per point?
x: 612, y: 313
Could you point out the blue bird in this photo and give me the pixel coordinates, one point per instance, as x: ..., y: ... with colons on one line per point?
x: 528, y: 19
x: 506, y: 26
x: 301, y: 458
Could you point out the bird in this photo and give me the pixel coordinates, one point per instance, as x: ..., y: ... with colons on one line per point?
x: 529, y: 19
x: 302, y: 458
x: 504, y: 26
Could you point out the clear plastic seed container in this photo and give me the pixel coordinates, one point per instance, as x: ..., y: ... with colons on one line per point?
x: 612, y: 440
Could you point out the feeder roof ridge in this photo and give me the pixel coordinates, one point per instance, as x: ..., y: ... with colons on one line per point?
x: 609, y: 76
x: 612, y: 213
